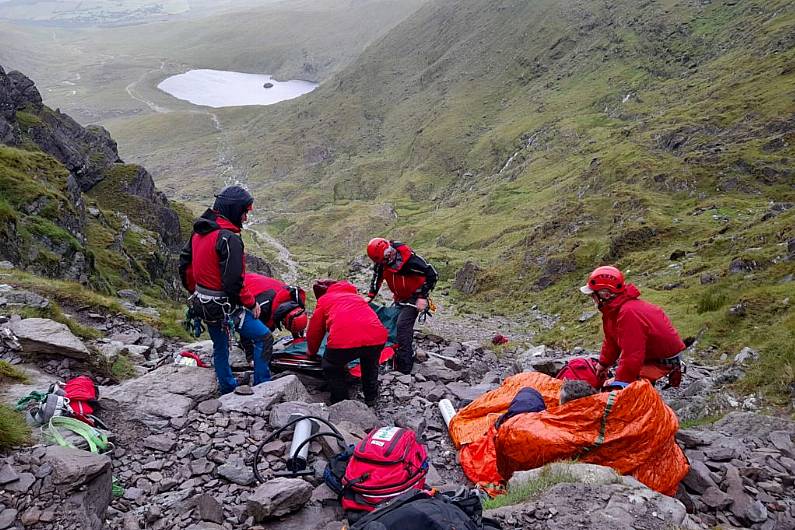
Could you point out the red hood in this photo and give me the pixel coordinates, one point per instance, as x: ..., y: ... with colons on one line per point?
x: 342, y: 286
x: 630, y: 293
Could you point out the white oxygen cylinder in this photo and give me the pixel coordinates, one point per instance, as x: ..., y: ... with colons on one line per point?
x: 448, y: 411
x: 298, y: 459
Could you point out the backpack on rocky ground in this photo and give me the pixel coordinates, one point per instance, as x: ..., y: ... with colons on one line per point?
x: 387, y: 463
x: 76, y: 398
x: 426, y: 510
x: 582, y: 369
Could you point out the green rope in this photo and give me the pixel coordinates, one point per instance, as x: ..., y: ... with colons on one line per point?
x: 611, y: 398
x: 96, y: 439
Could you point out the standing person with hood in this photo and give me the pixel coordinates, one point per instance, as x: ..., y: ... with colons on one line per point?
x: 638, y: 334
x: 354, y: 332
x: 411, y: 279
x: 212, y: 266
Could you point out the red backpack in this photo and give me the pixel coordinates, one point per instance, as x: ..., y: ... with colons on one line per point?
x: 387, y: 463
x: 582, y: 369
x: 83, y: 395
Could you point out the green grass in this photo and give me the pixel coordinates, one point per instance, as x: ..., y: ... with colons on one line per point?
x: 698, y: 422
x: 531, y: 489
x: 122, y: 368
x: 13, y: 429
x: 10, y: 373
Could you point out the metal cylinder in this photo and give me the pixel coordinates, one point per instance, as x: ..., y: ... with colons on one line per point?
x: 448, y: 411
x: 297, y: 460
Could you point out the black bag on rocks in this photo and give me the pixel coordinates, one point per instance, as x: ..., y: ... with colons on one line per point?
x: 424, y: 510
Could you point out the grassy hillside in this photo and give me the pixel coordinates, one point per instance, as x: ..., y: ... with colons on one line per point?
x: 542, y: 138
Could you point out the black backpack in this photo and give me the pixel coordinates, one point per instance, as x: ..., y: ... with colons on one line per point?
x: 423, y: 510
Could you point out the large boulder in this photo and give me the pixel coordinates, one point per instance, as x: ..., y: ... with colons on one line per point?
x: 85, y: 483
x: 617, y: 505
x: 466, y: 278
x: 264, y: 396
x: 277, y: 497
x: 167, y: 392
x: 42, y: 335
x: 355, y: 412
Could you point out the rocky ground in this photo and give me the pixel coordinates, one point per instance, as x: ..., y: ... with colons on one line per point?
x: 183, y: 456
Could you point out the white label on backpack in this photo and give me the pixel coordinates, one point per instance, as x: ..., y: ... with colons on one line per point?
x: 385, y: 434
x: 376, y: 442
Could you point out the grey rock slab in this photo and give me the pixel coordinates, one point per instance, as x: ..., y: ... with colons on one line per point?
x: 265, y: 395
x: 22, y: 484
x: 282, y: 412
x: 467, y: 393
x: 278, y: 497
x: 209, y: 406
x: 237, y: 472
x: 7, y: 518
x: 210, y: 510
x: 168, y: 392
x: 355, y: 412
x: 435, y: 370
x: 7, y: 474
x: 692, y: 438
x: 42, y: 335
x: 581, y: 473
x: 160, y: 442
x: 75, y: 467
x: 698, y: 478
x: 782, y: 440
x: 715, y: 498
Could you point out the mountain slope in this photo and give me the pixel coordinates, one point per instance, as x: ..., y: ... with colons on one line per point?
x: 71, y: 209
x: 542, y: 138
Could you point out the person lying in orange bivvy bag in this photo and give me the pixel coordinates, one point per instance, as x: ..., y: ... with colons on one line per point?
x: 631, y: 430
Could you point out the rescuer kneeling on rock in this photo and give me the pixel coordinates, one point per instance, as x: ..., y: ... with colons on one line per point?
x: 638, y: 334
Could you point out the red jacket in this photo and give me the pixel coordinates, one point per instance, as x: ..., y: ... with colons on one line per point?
x: 407, y: 276
x: 214, y: 258
x: 270, y: 294
x: 638, y: 332
x: 347, y: 318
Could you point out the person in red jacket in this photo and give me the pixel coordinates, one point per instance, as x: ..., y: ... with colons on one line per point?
x: 281, y: 305
x: 212, y: 266
x: 638, y: 334
x: 411, y: 279
x: 354, y: 332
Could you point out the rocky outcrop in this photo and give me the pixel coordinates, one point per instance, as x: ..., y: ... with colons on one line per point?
x: 617, y: 505
x: 742, y: 471
x: 42, y: 335
x: 49, y: 233
x: 161, y: 395
x: 466, y: 278
x: 57, y: 487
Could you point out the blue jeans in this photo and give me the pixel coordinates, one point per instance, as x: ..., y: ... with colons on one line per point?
x: 251, y: 329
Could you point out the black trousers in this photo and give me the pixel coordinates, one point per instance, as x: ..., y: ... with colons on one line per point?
x: 404, y: 357
x: 335, y: 368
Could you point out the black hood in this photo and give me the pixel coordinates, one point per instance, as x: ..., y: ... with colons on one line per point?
x: 206, y: 223
x: 232, y: 203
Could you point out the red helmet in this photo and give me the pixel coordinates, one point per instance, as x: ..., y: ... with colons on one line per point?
x: 295, y: 321
x: 376, y: 249
x: 606, y: 277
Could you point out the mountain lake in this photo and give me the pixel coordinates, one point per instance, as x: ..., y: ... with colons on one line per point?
x: 217, y: 88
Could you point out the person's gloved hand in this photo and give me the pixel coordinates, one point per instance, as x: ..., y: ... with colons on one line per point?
x: 256, y: 310
x: 422, y: 304
x: 602, y: 372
